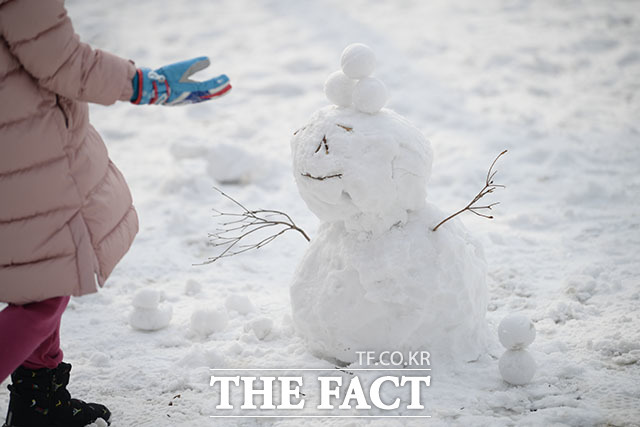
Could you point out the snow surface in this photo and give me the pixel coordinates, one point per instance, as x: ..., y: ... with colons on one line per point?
x: 555, y: 82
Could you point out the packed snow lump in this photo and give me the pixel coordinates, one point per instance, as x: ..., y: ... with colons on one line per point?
x: 149, y: 312
x: 376, y: 277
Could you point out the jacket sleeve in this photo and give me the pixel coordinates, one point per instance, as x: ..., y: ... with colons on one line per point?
x: 40, y: 34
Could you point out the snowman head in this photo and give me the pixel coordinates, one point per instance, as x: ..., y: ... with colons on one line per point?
x: 356, y: 163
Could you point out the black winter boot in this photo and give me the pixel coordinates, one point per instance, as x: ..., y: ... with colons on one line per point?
x: 68, y: 412
x: 30, y: 401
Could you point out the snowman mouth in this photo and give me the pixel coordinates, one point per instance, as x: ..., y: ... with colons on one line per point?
x: 323, y: 177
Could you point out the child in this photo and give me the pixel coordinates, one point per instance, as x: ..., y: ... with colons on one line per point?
x: 66, y: 214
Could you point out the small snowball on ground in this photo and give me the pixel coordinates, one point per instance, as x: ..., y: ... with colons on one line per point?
x: 338, y: 88
x: 206, y: 321
x: 517, y: 367
x: 151, y: 319
x: 516, y: 331
x: 239, y: 303
x: 261, y: 327
x: 192, y: 287
x: 370, y: 95
x: 358, y: 61
x: 147, y: 298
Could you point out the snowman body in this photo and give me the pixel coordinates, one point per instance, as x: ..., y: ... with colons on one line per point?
x: 376, y: 277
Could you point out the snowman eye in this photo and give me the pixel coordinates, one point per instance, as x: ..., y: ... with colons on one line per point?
x: 323, y: 143
x: 347, y: 128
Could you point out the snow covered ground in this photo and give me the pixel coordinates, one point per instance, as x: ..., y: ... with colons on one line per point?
x: 554, y: 82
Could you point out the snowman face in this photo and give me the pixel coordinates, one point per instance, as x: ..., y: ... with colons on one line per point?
x: 367, y: 170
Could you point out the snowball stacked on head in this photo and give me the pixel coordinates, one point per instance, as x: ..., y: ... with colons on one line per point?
x: 353, y: 85
x: 339, y: 89
x: 376, y: 277
x: 358, y: 61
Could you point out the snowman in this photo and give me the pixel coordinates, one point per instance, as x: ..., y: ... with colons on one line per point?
x: 376, y: 277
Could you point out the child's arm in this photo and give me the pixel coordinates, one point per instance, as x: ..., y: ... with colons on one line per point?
x: 39, y: 33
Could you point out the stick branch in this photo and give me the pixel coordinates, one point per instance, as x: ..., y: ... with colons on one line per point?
x: 489, y: 187
x: 243, y: 225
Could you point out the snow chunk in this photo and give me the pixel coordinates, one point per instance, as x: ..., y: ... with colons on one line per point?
x: 628, y: 358
x: 261, y: 327
x: 207, y: 321
x: 239, y: 303
x: 98, y: 423
x: 235, y: 348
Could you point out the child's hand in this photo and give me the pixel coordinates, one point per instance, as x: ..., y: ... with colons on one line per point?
x: 170, y: 85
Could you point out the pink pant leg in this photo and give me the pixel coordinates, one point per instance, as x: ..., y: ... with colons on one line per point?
x: 30, y: 334
x: 48, y: 354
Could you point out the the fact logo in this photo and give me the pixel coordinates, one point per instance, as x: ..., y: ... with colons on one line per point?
x: 383, y: 381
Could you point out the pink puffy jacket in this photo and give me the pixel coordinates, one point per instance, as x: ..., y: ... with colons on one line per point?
x: 66, y: 215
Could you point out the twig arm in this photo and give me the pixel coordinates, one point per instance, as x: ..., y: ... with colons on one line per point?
x: 489, y: 187
x: 242, y: 226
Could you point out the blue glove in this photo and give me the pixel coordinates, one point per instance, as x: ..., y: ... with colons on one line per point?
x: 170, y: 85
